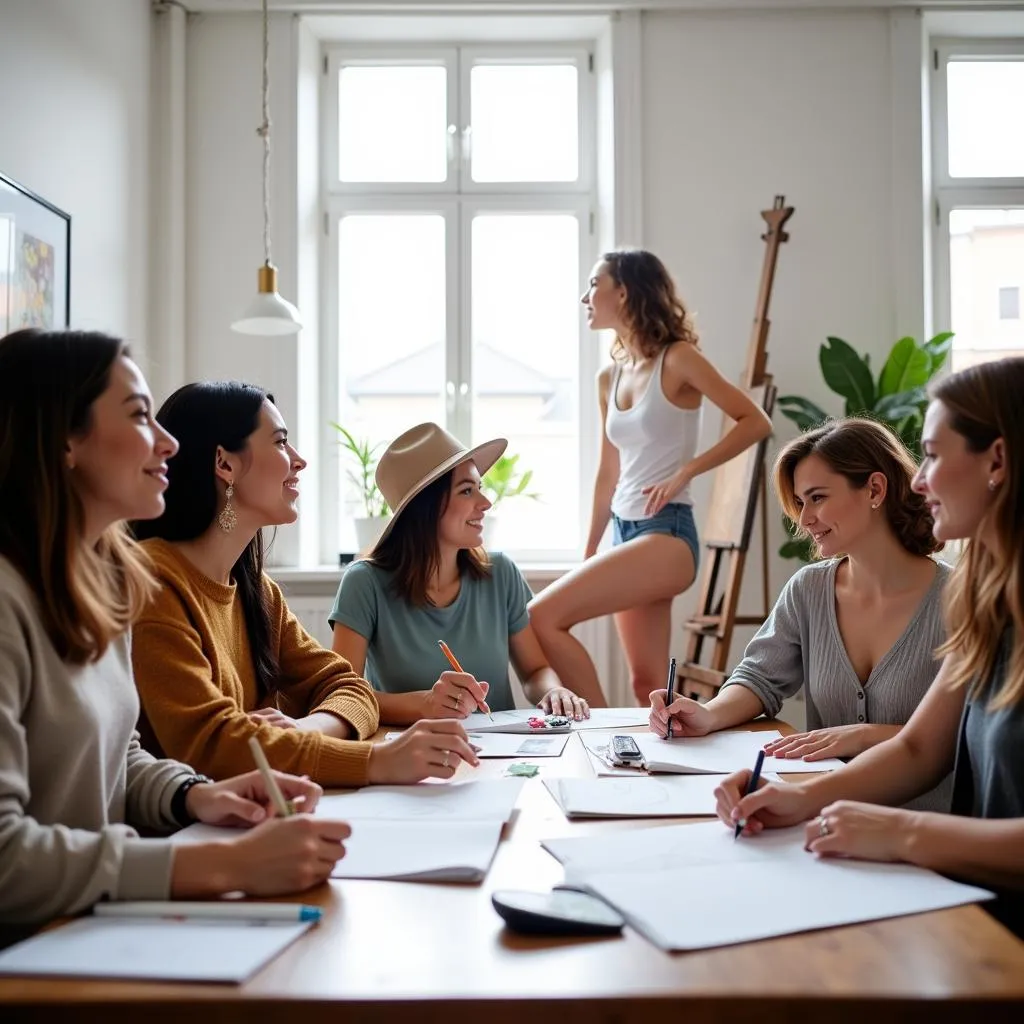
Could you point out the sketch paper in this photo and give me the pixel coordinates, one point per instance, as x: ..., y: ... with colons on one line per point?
x: 500, y: 744
x: 516, y: 721
x: 157, y: 949
x: 793, y: 897
x: 638, y: 796
x: 482, y: 800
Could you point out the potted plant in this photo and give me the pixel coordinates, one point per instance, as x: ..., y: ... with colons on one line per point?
x: 898, y: 398
x: 371, y: 525
x: 502, y: 481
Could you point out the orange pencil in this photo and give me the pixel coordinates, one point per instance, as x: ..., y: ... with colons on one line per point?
x: 454, y: 662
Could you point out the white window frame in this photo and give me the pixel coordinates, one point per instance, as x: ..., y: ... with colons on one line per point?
x: 458, y: 199
x: 961, y: 193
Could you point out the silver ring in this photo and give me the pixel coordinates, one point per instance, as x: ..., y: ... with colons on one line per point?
x: 444, y: 763
x: 823, y: 827
x: 458, y: 699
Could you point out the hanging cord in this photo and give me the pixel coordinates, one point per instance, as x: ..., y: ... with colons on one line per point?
x: 264, y: 133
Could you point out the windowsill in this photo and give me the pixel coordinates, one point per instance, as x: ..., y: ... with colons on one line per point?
x: 323, y: 575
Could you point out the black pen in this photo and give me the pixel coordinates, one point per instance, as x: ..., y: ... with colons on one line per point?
x: 755, y: 778
x: 671, y: 687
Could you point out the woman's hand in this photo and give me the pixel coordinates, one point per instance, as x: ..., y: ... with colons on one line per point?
x: 861, y: 831
x: 689, y: 718
x: 243, y: 801
x: 426, y: 749
x: 838, y: 741
x: 562, y: 701
x: 660, y: 494
x: 455, y: 695
x: 772, y: 805
x: 272, y: 716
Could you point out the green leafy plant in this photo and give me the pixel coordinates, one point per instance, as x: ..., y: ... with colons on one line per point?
x: 503, y: 480
x: 361, y: 476
x: 897, y: 398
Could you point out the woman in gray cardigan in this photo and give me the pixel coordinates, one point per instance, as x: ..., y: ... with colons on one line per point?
x: 857, y: 630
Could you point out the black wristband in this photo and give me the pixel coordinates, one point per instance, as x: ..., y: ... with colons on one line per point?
x: 179, y: 809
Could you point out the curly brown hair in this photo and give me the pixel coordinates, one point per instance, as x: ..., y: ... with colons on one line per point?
x: 653, y: 309
x: 856, y: 447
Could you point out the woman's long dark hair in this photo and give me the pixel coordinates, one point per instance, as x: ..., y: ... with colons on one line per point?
x: 87, y: 596
x: 202, y: 417
x: 411, y: 550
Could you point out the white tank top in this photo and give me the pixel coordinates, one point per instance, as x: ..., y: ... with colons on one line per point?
x: 655, y: 438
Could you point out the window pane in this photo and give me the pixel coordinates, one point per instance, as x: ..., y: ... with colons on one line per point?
x: 391, y: 330
x: 986, y: 270
x: 525, y: 337
x: 392, y: 124
x: 986, y: 110
x: 525, y: 122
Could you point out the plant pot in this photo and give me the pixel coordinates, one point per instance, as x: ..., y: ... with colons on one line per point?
x: 368, y: 531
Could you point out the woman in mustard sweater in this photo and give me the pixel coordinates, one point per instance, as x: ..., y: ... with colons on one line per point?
x: 79, y: 454
x: 218, y: 656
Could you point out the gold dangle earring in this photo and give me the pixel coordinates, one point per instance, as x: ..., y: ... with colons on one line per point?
x: 227, y: 519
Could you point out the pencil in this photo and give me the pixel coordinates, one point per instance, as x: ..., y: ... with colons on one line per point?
x: 671, y: 687
x: 284, y: 808
x: 751, y: 787
x: 454, y: 662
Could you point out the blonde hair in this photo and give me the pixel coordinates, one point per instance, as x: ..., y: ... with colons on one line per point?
x: 856, y: 447
x: 985, y: 595
x: 87, y: 596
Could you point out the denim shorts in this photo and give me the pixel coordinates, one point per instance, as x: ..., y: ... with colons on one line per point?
x: 675, y: 519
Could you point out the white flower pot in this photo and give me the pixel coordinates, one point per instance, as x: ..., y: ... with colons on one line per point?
x: 368, y: 531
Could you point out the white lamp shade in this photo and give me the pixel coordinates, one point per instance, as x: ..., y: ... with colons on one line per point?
x: 267, y: 312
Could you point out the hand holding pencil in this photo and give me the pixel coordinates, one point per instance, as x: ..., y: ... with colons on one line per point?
x: 460, y: 690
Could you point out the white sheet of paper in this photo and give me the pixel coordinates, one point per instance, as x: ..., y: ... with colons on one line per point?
x: 516, y: 721
x: 636, y: 797
x: 721, y: 753
x: 719, y: 905
x: 480, y: 800
x: 503, y: 744
x: 158, y: 949
x: 510, y: 721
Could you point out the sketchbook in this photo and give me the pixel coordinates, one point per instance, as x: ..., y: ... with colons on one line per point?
x: 720, y: 753
x: 695, y: 887
x: 420, y: 833
x: 153, y: 949
x: 637, y: 796
x: 517, y: 721
x: 501, y: 744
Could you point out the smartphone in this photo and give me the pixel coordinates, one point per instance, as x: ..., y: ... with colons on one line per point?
x: 623, y: 750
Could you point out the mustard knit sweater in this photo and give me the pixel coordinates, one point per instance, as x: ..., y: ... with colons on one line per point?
x: 195, y: 677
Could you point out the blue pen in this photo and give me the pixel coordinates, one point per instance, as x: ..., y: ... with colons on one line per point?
x: 671, y: 687
x: 755, y: 778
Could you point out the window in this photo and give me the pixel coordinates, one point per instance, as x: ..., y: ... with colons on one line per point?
x: 1009, y: 303
x: 978, y: 171
x: 459, y: 190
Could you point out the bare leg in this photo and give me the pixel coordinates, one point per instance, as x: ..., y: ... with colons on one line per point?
x: 645, y: 633
x: 651, y: 568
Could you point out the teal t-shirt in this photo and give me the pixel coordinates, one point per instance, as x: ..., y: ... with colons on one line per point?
x: 402, y: 654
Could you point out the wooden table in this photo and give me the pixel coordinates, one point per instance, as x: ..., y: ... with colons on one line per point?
x: 437, y: 954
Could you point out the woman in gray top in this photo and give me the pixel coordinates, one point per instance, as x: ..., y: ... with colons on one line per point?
x: 858, y: 630
x: 972, y: 478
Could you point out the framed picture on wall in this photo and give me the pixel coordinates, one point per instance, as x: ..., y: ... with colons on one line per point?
x: 35, y: 260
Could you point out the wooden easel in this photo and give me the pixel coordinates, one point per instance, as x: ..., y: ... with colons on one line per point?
x: 734, y: 501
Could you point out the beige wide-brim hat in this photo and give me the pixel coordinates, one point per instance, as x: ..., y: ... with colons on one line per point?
x: 419, y: 456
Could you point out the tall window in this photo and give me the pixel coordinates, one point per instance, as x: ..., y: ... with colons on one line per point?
x: 459, y: 190
x: 978, y: 170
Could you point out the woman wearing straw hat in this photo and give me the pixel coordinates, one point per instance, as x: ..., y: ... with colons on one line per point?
x: 219, y: 657
x: 428, y: 580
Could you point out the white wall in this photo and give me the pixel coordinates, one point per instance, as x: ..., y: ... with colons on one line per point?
x: 74, y: 128
x: 738, y: 107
